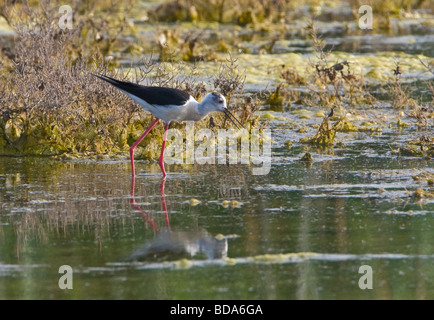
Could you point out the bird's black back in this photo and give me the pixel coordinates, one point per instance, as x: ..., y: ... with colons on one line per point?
x: 153, y: 95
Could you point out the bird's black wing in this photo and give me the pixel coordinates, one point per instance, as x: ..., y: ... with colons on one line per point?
x: 153, y: 95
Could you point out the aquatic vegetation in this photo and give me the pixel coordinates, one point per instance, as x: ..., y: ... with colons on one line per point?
x: 248, y: 109
x: 229, y: 80
x: 173, y: 44
x: 194, y: 202
x: 427, y: 177
x: 241, y: 12
x: 277, y: 98
x: 267, y: 259
x: 97, y: 25
x: 421, y: 147
x: 389, y: 9
x: 261, y: 14
x: 51, y: 103
x: 325, y: 135
x: 400, y: 95
x: 421, y: 193
x: 346, y: 126
x: 307, y: 157
x: 91, y: 118
x: 292, y: 76
x: 420, y: 114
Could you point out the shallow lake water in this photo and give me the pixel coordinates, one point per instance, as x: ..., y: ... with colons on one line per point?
x: 302, y: 231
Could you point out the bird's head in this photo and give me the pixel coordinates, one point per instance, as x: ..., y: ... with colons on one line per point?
x: 215, y: 101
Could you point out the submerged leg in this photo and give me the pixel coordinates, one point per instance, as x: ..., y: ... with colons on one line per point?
x: 137, y: 142
x: 163, y: 202
x: 161, y: 161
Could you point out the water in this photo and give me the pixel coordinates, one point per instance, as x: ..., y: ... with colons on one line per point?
x: 219, y: 232
x: 302, y: 231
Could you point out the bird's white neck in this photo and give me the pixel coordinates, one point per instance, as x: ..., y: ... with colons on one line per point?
x: 193, y: 110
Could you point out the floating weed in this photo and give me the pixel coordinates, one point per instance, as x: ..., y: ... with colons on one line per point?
x: 182, y: 264
x: 292, y: 76
x: 194, y: 202
x: 278, y: 258
x: 307, y: 157
x: 401, y: 124
x: 271, y: 116
x: 346, y: 126
x: 282, y: 257
x: 325, y: 135
x: 225, y: 203
x: 425, y: 177
x: 420, y: 194
x: 289, y: 143
x: 230, y: 261
x: 400, y: 95
x: 235, y: 204
x: 277, y: 98
x: 422, y: 147
x: 320, y: 114
x: 420, y: 115
x: 219, y: 236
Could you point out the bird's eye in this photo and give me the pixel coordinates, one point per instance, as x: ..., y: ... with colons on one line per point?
x: 220, y: 100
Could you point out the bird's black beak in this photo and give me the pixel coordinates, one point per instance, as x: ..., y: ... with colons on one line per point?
x: 231, y: 117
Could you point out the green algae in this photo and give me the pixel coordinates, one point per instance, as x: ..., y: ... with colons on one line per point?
x: 47, y: 139
x: 271, y: 116
x: 267, y: 259
x: 347, y: 126
x: 375, y: 68
x: 276, y: 98
x: 307, y: 157
x: 325, y: 135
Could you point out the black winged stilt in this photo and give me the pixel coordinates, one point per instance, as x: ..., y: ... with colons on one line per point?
x: 169, y: 104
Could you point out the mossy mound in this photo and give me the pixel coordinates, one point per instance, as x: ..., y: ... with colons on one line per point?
x: 44, y: 138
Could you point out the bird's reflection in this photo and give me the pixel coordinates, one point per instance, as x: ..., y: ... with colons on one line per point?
x: 145, y: 215
x: 173, y: 245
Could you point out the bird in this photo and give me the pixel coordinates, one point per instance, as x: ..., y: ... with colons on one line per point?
x: 340, y: 66
x: 169, y: 104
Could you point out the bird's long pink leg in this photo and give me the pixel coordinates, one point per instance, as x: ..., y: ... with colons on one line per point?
x: 161, y: 161
x: 135, y: 144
